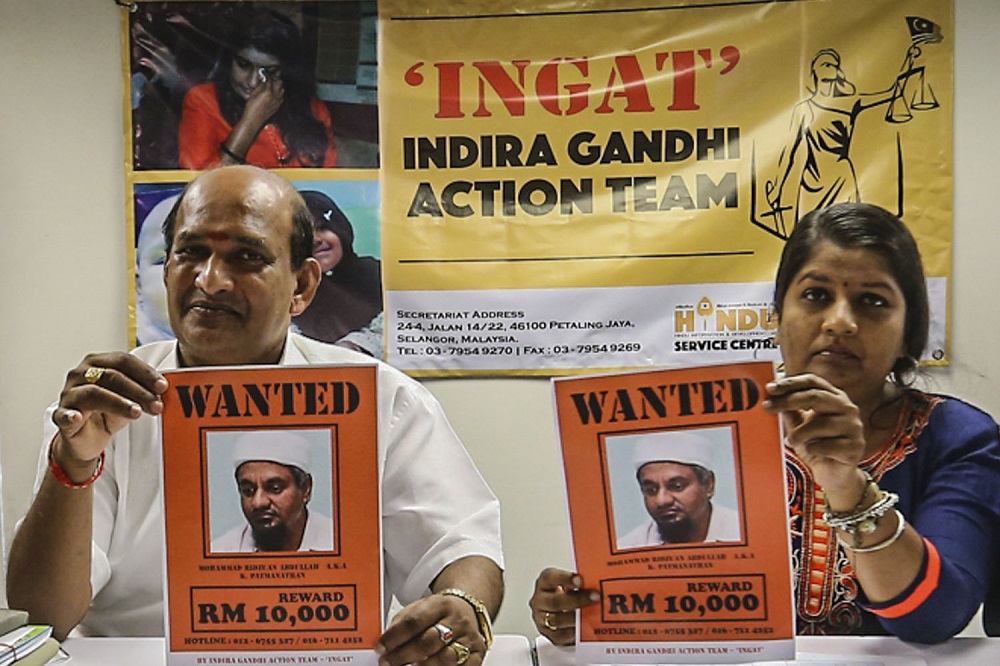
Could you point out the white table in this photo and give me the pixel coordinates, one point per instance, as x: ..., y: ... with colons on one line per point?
x: 956, y: 652
x: 507, y: 650
x: 963, y: 651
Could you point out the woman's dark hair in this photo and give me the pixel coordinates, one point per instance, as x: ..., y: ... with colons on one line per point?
x: 271, y: 32
x: 866, y: 226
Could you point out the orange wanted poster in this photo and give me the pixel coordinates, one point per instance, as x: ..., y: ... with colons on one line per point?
x: 676, y: 489
x: 272, y: 515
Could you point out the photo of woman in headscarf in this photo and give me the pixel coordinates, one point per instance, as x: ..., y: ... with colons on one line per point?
x: 349, y: 296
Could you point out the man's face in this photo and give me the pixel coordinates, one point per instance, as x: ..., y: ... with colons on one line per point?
x: 675, y: 498
x: 231, y: 290
x: 273, y: 503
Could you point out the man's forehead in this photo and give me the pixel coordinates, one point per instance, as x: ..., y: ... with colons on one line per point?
x: 251, y: 199
x: 665, y: 467
x: 247, y: 235
x: 263, y: 468
x: 238, y: 191
x: 242, y: 224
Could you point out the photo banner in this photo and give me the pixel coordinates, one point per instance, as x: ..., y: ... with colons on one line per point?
x: 192, y: 72
x: 610, y: 185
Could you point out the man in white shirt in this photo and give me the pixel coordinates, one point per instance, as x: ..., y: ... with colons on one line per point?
x: 676, y: 475
x: 238, y: 267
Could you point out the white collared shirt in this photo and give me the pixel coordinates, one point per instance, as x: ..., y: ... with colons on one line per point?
x: 724, y: 525
x: 318, y: 536
x: 436, y: 507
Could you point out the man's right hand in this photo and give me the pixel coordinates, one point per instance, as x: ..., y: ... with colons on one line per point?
x: 558, y: 594
x: 94, y: 407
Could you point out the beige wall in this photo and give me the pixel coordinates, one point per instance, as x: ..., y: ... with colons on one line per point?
x: 63, y: 270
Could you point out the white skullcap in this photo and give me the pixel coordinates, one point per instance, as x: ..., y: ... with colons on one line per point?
x: 281, y: 446
x: 676, y: 446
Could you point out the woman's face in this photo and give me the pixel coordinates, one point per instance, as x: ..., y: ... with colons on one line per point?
x: 327, y: 249
x: 843, y: 318
x: 250, y: 68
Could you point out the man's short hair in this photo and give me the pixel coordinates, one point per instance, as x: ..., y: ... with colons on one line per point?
x: 300, y: 243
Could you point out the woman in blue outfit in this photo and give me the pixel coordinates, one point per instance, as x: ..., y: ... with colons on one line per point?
x: 906, y: 480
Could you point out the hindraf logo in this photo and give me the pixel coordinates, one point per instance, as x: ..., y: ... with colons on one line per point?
x: 706, y: 316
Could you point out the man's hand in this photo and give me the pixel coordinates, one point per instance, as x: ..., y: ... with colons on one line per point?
x: 558, y: 594
x: 418, y: 634
x: 101, y: 395
x: 49, y: 565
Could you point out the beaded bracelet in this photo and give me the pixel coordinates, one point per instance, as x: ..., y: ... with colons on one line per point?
x: 885, y: 543
x: 860, y: 523
x: 869, y: 483
x: 62, y: 477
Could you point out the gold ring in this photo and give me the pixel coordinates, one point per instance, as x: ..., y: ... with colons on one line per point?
x: 546, y: 620
x: 461, y: 652
x: 445, y: 632
x: 93, y: 375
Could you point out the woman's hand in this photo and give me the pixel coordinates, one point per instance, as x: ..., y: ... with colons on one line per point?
x: 824, y: 429
x: 264, y: 101
x: 558, y: 594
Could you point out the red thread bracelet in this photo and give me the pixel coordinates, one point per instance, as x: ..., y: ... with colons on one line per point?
x: 62, y: 477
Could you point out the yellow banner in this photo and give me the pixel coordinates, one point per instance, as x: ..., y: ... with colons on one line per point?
x: 558, y: 177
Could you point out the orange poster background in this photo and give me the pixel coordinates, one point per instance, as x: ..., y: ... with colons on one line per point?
x: 719, y: 592
x: 254, y: 602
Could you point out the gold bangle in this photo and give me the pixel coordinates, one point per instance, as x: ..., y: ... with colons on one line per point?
x: 482, y: 615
